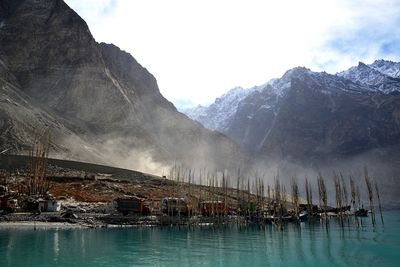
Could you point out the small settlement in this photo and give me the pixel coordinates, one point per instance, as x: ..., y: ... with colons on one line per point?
x: 97, y: 200
x: 206, y: 205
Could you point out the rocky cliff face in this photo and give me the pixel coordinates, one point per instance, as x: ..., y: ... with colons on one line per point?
x: 90, y: 92
x: 320, y: 117
x: 56, y: 61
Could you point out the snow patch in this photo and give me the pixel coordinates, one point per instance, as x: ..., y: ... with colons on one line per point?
x: 119, y: 87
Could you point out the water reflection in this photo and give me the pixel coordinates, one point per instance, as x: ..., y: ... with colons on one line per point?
x: 299, y: 246
x: 56, y: 246
x: 307, y: 244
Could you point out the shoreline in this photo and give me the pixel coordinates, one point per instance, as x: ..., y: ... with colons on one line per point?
x: 39, y: 225
x: 62, y: 225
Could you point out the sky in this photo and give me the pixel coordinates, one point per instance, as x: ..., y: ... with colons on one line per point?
x: 199, y: 49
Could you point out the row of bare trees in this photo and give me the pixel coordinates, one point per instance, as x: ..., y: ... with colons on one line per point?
x: 253, y: 197
x: 36, y: 183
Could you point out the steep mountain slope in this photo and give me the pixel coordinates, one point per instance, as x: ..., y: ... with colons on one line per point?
x: 323, y: 117
x: 95, y: 92
x: 22, y: 119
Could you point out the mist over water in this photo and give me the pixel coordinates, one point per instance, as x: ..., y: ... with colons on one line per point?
x: 307, y: 245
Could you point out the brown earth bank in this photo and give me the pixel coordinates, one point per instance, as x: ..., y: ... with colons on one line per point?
x: 86, y: 193
x: 86, y: 182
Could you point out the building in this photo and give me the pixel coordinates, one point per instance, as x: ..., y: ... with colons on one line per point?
x: 174, y: 206
x: 48, y: 205
x: 131, y: 204
x: 211, y: 207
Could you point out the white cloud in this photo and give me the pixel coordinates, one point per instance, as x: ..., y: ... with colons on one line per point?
x: 197, y: 50
x: 369, y: 31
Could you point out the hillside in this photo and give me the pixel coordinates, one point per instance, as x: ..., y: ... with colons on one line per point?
x: 98, y: 102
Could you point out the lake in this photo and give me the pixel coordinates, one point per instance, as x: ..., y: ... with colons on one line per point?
x: 307, y: 245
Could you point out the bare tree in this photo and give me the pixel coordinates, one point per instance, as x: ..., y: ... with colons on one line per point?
x: 379, y: 201
x: 308, y: 197
x: 323, y: 196
x: 295, y: 197
x: 36, y: 183
x: 370, y: 195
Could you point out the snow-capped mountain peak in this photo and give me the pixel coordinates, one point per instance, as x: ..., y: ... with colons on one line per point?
x: 279, y: 86
x: 215, y: 115
x: 381, y: 75
x: 389, y: 68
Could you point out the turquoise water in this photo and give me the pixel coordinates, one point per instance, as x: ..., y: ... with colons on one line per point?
x: 309, y: 245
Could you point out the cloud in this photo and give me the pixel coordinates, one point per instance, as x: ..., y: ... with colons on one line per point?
x: 182, y: 104
x: 198, y: 50
x: 369, y: 31
x: 93, y: 10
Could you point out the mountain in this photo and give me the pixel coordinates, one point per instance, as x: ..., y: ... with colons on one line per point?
x: 311, y: 117
x: 98, y: 102
x: 218, y: 115
x: 307, y: 123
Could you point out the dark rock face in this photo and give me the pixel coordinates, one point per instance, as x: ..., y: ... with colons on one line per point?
x: 56, y: 61
x: 91, y: 92
x: 253, y: 120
